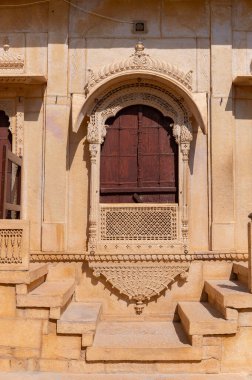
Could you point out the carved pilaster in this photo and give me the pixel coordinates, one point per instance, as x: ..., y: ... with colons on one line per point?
x: 93, y: 214
x: 93, y: 133
x: 19, y: 137
x: 185, y: 140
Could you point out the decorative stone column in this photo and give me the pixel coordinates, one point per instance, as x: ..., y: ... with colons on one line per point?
x: 185, y: 148
x: 95, y: 137
x: 183, y: 137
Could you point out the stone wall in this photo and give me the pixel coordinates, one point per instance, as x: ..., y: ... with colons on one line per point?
x: 211, y: 38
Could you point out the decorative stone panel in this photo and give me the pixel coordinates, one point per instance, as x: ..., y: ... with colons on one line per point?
x: 14, y: 244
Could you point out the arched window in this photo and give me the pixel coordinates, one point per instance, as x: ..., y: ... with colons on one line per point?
x: 5, y: 133
x: 139, y: 158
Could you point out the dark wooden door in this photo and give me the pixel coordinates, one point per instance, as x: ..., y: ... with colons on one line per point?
x: 5, y: 144
x: 139, y: 158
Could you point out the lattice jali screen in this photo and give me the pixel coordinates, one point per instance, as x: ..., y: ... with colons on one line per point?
x: 141, y: 222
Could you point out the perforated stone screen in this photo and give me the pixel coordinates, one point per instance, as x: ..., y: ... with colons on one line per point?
x: 138, y: 223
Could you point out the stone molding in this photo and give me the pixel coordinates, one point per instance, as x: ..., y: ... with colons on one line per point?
x: 80, y: 257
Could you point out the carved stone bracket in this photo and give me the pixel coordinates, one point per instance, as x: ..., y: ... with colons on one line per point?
x: 139, y: 281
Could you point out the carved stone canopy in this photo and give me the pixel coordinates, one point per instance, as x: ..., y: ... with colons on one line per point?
x: 138, y: 66
x: 139, y: 61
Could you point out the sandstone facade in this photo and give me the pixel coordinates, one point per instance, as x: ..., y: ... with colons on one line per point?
x: 146, y: 288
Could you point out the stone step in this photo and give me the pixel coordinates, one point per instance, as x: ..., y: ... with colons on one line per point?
x: 80, y: 318
x: 231, y: 294
x: 201, y: 318
x: 241, y: 271
x: 141, y: 341
x: 36, y: 270
x: 51, y: 294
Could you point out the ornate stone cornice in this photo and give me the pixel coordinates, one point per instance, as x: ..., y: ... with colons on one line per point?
x: 76, y: 257
x: 57, y: 257
x: 139, y: 61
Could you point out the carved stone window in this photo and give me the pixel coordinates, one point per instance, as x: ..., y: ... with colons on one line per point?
x: 138, y: 247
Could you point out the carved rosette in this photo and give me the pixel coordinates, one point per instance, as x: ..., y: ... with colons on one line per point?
x: 139, y: 281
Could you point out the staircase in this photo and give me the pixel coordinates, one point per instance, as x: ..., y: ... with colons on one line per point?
x: 50, y: 330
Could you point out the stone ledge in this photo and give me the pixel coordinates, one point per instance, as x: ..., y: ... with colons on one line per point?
x: 101, y: 376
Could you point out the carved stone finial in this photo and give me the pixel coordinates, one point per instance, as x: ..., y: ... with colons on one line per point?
x: 139, y: 306
x: 139, y: 47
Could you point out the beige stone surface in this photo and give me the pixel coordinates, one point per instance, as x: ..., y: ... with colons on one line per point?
x: 211, y: 271
x: 32, y: 196
x: 49, y: 294
x: 20, y: 333
x: 36, y: 53
x: 198, y: 197
x: 60, y: 347
x: 79, y: 318
x: 241, y: 271
x: 8, y: 304
x: 177, y: 21
x: 141, y: 341
x: 229, y: 293
x: 62, y: 272
x: 55, y: 175
x: 200, y: 318
x: 25, y: 353
x: 243, y: 174
x: 49, y: 365
x: 91, y: 26
x: 77, y: 74
x: 36, y: 270
x: 104, y: 376
x: 78, y: 189
x: 223, y: 228
x: 236, y: 356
